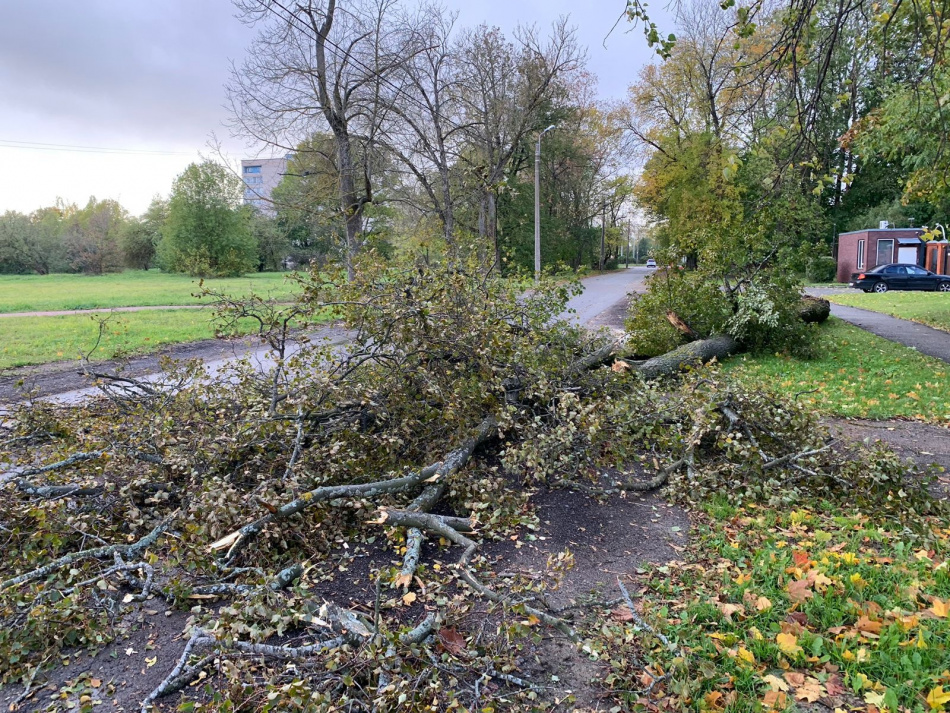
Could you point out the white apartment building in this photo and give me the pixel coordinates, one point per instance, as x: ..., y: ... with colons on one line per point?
x: 261, y: 176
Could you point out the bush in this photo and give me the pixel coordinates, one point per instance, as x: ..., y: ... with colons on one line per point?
x: 821, y: 268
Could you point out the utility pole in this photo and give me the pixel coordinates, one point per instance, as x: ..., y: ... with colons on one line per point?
x: 603, y: 231
x: 537, y: 206
x: 628, y: 242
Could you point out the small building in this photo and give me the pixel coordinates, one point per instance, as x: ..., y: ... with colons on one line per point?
x: 866, y: 249
x: 261, y: 176
x: 937, y: 257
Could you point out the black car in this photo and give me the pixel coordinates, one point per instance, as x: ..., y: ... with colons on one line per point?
x: 899, y: 277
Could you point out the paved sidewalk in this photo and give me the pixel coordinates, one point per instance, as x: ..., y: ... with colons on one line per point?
x: 98, y: 310
x: 926, y: 340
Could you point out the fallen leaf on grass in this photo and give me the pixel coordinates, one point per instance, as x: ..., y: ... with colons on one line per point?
x: 795, y: 678
x: 937, y: 698
x: 799, y: 590
x: 788, y: 644
x: 775, y: 700
x: 867, y: 626
x: 810, y: 691
x: 940, y: 608
x: 775, y: 683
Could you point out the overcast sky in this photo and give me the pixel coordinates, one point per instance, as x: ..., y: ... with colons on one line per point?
x: 113, y: 98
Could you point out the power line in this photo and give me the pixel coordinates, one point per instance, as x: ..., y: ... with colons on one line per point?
x: 75, y: 148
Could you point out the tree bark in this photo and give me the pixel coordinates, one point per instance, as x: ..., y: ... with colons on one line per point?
x: 689, y: 355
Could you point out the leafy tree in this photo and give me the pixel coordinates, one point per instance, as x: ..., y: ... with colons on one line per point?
x: 207, y: 233
x: 141, y: 237
x: 92, y: 238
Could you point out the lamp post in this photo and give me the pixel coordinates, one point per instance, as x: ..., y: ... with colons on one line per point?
x: 942, y: 231
x: 537, y: 206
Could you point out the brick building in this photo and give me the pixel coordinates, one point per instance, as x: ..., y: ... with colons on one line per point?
x: 866, y: 249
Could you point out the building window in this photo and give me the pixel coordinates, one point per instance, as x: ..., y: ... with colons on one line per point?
x: 885, y: 252
x: 254, y: 180
x: 860, y: 254
x: 252, y: 169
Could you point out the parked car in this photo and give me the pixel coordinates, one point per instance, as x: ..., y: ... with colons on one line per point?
x: 651, y: 262
x: 899, y: 277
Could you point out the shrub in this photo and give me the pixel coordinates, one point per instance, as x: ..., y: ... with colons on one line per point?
x: 821, y: 268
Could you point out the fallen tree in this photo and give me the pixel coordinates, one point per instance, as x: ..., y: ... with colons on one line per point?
x: 416, y: 438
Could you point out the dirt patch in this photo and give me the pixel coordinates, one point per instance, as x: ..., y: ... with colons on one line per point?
x: 609, y: 539
x: 117, y: 677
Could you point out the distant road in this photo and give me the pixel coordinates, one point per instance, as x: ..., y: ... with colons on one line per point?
x: 601, y: 304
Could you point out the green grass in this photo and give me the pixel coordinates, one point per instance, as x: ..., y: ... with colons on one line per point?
x: 930, y: 308
x: 39, y: 340
x: 776, y: 606
x: 857, y: 374
x: 133, y: 288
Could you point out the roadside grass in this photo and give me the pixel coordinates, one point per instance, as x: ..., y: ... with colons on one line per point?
x: 930, y: 308
x: 857, y: 374
x: 772, y: 607
x: 39, y: 340
x: 132, y: 288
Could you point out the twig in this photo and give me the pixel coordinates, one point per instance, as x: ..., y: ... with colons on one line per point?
x: 639, y: 621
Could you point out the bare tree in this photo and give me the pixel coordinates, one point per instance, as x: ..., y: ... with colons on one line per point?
x: 428, y: 134
x: 314, y: 66
x: 504, y: 87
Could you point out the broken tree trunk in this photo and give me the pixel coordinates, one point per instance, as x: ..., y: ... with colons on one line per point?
x: 814, y: 309
x: 689, y: 355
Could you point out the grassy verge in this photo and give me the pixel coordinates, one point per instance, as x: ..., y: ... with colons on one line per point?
x: 930, y: 308
x: 28, y: 340
x: 133, y: 288
x: 857, y: 374
x: 773, y: 607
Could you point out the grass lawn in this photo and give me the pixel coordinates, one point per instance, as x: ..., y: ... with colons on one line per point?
x: 133, y: 288
x: 930, y: 308
x: 858, y: 374
x: 39, y: 340
x: 782, y: 606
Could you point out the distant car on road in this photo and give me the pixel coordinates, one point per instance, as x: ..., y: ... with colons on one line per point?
x: 899, y: 277
x: 651, y: 262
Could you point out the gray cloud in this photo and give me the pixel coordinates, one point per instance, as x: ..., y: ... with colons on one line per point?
x: 131, y: 69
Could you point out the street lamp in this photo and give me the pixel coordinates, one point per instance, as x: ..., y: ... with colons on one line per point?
x: 942, y: 231
x: 537, y: 206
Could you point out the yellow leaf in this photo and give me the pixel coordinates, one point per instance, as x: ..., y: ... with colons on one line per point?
x: 937, y: 698
x: 940, y: 608
x: 788, y: 644
x: 874, y: 699
x: 408, y: 598
x: 151, y: 662
x: 746, y: 655
x: 763, y: 604
x: 775, y: 683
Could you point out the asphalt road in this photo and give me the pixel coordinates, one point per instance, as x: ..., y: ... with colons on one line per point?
x: 601, y: 304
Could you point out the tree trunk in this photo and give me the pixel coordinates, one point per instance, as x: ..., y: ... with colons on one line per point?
x: 689, y: 355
